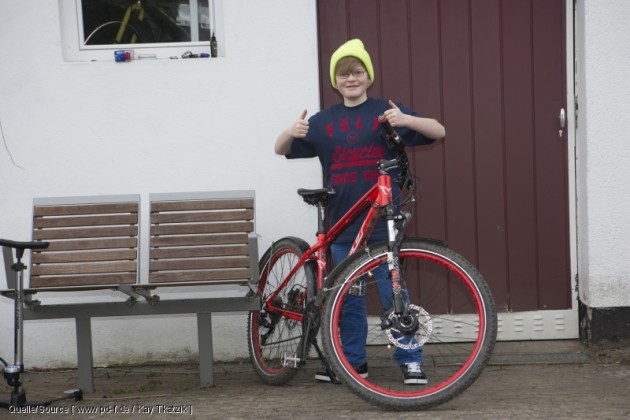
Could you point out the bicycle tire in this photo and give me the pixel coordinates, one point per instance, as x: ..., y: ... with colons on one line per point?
x: 272, y: 337
x: 457, y: 317
x: 105, y: 34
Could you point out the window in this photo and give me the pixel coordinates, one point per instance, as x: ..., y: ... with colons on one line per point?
x: 93, y: 29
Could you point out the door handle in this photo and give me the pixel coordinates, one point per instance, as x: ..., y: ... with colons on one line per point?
x: 563, y: 120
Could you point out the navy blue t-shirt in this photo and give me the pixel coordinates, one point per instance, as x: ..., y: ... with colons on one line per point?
x: 348, y: 143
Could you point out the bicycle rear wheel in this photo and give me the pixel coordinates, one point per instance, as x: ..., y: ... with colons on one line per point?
x: 456, y: 330
x: 275, y: 332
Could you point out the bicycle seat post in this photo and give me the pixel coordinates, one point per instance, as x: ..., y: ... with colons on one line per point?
x: 321, y: 217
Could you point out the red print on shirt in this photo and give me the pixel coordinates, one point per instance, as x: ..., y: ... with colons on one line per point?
x: 346, y: 160
x: 346, y: 124
x: 348, y: 157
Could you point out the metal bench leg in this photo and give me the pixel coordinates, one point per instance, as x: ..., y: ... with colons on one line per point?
x: 204, y: 334
x: 84, y: 354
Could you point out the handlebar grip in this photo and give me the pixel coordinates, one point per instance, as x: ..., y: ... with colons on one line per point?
x: 392, y: 135
x: 382, y: 119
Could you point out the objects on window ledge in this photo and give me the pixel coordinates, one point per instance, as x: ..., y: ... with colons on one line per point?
x: 189, y: 54
x: 120, y: 56
x: 213, y: 46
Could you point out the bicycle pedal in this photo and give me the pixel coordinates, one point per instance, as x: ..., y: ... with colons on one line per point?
x: 290, y: 361
x: 358, y: 288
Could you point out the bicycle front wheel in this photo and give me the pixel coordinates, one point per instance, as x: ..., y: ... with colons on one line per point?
x: 275, y: 332
x: 453, y: 336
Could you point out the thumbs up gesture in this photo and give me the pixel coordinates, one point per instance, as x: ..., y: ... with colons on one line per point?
x: 300, y: 128
x: 394, y: 115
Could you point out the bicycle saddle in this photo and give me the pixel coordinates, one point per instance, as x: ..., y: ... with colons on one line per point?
x: 317, y: 196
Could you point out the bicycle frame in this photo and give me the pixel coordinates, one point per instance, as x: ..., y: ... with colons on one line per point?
x: 375, y: 199
x: 138, y: 10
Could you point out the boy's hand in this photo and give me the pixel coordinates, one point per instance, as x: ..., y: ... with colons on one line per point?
x: 428, y: 127
x: 300, y: 128
x: 394, y: 115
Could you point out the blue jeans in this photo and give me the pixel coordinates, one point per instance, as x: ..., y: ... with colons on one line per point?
x: 353, y: 327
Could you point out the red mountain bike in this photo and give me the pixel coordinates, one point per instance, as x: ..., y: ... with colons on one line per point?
x: 450, y: 313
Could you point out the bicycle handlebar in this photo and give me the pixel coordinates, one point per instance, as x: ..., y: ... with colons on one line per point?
x: 396, y: 144
x: 391, y: 134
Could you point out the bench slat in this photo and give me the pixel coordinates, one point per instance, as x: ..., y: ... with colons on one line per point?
x: 190, y: 252
x: 199, y: 263
x: 89, y: 244
x: 218, y: 216
x: 217, y: 239
x: 102, y: 232
x: 87, y: 268
x: 80, y: 280
x: 70, y: 257
x: 241, y: 275
x: 202, y: 228
x: 212, y: 204
x: 102, y: 220
x: 77, y: 209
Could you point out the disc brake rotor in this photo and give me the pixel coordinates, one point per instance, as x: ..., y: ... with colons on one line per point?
x: 408, y: 341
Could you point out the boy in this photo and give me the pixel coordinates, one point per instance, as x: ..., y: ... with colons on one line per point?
x: 346, y: 139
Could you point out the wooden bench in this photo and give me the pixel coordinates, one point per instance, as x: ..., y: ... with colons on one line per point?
x: 193, y: 239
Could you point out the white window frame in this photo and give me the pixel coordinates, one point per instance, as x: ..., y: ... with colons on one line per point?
x: 75, y: 50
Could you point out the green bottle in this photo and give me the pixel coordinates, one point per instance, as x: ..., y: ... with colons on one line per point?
x: 213, y: 46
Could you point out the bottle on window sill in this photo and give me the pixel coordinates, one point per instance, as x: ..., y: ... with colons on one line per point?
x: 213, y: 46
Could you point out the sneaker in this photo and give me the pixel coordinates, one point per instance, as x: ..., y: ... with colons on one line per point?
x: 322, y: 375
x: 413, y: 373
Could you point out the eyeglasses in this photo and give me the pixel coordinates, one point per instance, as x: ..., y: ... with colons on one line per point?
x: 357, y: 74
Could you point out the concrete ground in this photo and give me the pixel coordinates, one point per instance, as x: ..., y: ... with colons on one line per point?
x: 525, y: 380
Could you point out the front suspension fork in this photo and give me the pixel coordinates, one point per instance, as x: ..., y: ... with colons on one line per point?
x: 395, y: 231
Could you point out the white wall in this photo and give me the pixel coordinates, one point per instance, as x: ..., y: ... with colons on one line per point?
x: 189, y: 125
x: 603, y: 151
x: 153, y: 126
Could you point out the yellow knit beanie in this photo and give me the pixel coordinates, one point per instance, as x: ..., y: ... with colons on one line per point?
x: 352, y: 48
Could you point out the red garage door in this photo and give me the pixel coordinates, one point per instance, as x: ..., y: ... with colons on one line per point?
x: 493, y: 71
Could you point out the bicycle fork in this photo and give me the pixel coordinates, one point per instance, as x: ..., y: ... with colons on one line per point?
x: 403, y: 319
